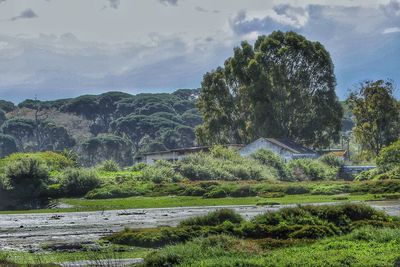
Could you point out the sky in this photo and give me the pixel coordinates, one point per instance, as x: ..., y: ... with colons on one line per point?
x: 53, y: 49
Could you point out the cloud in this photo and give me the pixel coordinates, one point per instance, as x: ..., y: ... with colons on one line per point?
x: 2, y: 1
x: 26, y: 14
x: 169, y: 2
x: 114, y: 3
x: 66, y: 64
x: 391, y: 30
x: 392, y: 8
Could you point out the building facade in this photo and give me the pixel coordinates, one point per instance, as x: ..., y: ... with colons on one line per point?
x: 285, y: 148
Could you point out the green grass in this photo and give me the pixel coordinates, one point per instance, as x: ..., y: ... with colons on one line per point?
x: 380, y: 248
x: 80, y: 204
x: 55, y: 257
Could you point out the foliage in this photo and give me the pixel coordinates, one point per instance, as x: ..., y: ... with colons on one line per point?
x: 27, y: 177
x: 53, y: 160
x: 389, y: 157
x: 388, y: 162
x: 106, y: 147
x: 378, y: 249
x: 109, y: 126
x: 314, y: 170
x: 7, y: 106
x: 213, y: 218
x: 112, y: 191
x: 8, y: 145
x: 109, y: 166
x: 224, y: 164
x: 308, y: 222
x: 160, y: 172
x: 332, y: 160
x: 269, y: 158
x: 377, y: 115
x: 78, y: 182
x: 2, y: 117
x: 284, y: 85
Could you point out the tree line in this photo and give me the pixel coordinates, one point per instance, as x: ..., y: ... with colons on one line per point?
x: 282, y: 86
x: 118, y: 125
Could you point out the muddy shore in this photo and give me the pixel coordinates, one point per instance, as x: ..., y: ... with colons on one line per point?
x: 30, y: 232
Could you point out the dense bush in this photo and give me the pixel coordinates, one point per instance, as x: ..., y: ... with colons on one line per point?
x: 112, y: 191
x: 160, y: 172
x: 213, y: 218
x: 269, y: 158
x: 194, y: 191
x: 388, y: 162
x: 313, y: 170
x: 224, y: 164
x: 109, y: 166
x: 53, y: 160
x: 308, y: 222
x: 78, y: 182
x: 26, y: 177
x: 216, y: 193
x: 243, y: 191
x: 332, y: 160
x: 389, y: 157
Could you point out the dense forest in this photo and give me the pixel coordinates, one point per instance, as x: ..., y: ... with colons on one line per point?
x: 113, y: 125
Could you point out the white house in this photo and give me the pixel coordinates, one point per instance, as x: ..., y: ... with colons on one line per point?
x: 174, y: 154
x: 169, y: 155
x: 285, y: 148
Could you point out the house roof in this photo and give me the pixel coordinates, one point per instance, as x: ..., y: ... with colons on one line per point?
x: 290, y: 145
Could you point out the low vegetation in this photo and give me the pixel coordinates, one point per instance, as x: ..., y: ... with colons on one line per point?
x: 221, y: 173
x: 223, y: 238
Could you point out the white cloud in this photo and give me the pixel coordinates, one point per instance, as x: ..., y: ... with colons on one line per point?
x: 391, y: 30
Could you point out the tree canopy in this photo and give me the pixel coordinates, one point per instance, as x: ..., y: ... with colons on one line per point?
x: 377, y: 115
x: 283, y: 86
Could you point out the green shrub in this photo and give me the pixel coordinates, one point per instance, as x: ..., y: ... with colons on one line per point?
x: 213, y: 218
x: 160, y: 172
x: 112, y: 191
x: 194, y: 191
x: 269, y: 158
x: 378, y: 187
x: 53, y: 160
x: 296, y: 190
x: 109, y: 166
x: 332, y: 160
x: 138, y: 167
x: 338, y: 215
x: 333, y: 189
x: 312, y: 232
x: 27, y: 177
x: 78, y: 182
x: 389, y: 157
x: 314, y: 170
x: 216, y: 193
x: 243, y: 191
x: 224, y: 164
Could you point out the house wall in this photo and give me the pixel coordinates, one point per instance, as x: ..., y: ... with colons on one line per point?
x: 264, y: 144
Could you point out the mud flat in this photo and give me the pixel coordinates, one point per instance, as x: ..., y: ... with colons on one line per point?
x: 30, y: 232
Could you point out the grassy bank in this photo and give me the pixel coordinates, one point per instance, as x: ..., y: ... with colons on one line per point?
x: 38, y: 258
x: 80, y: 204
